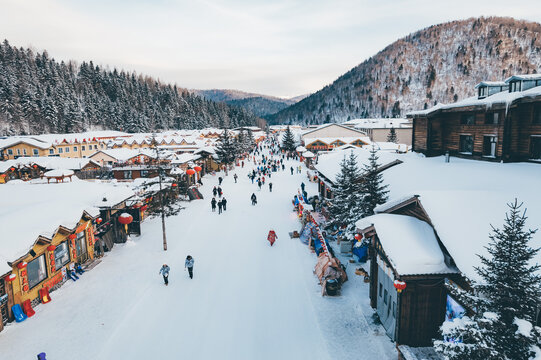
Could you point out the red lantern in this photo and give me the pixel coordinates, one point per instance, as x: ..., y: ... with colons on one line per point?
x: 190, y: 171
x: 72, y: 236
x: 399, y: 285
x: 144, y: 207
x: 99, y: 221
x: 22, y: 265
x: 12, y: 169
x: 358, y: 237
x: 51, y: 248
x: 11, y: 277
x: 197, y: 168
x: 35, y: 166
x: 174, y: 185
x: 125, y: 219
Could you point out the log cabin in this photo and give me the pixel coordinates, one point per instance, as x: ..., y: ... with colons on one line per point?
x: 501, y: 123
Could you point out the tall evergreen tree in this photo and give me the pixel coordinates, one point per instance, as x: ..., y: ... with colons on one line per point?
x: 288, y: 142
x: 226, y: 148
x: 345, y: 207
x: 391, y: 137
x: 508, y: 295
x: 375, y: 192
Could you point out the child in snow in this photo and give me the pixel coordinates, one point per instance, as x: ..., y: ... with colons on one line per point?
x: 188, y: 264
x: 272, y: 237
x: 165, y: 273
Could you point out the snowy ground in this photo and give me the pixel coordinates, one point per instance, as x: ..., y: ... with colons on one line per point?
x: 246, y: 301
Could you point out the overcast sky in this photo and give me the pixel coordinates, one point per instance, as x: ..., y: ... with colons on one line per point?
x: 274, y: 47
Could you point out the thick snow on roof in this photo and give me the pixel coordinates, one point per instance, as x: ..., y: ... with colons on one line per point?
x: 184, y: 158
x: 308, y: 154
x: 523, y: 77
x: 30, y: 140
x: 125, y: 154
x: 379, y: 123
x: 29, y: 210
x: 464, y: 197
x: 347, y: 140
x: 49, y: 163
x: 501, y: 98
x: 410, y: 244
x: 491, y: 83
x: 59, y: 172
x: 328, y: 164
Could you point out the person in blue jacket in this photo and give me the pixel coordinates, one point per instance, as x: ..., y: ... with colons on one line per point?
x: 165, y: 272
x: 189, y: 265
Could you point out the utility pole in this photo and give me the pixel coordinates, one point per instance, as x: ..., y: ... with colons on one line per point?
x: 161, y: 194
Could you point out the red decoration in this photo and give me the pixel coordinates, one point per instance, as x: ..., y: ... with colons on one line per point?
x: 190, y: 171
x: 358, y: 236
x: 125, y: 219
x: 51, y: 248
x: 144, y: 207
x: 12, y: 169
x: 197, y: 168
x: 174, y: 185
x: 399, y: 285
x: 72, y: 236
x: 11, y: 277
x: 22, y: 265
x: 99, y: 221
x: 35, y: 166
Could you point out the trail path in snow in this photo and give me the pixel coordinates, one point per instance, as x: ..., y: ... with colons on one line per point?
x: 247, y: 300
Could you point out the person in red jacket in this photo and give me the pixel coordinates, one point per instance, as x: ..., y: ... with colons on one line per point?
x: 272, y: 237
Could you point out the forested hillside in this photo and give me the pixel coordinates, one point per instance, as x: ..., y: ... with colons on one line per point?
x: 441, y: 63
x: 39, y: 94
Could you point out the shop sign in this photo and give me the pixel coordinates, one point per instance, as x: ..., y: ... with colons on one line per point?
x: 53, y: 281
x: 23, y: 275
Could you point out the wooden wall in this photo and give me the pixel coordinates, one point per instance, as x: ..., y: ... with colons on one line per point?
x: 420, y: 134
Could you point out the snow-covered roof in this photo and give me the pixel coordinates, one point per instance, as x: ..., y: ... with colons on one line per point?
x: 491, y: 84
x: 121, y: 154
x: 32, y: 141
x: 464, y: 197
x: 58, y: 173
x: 184, y: 158
x: 378, y: 123
x: 501, y: 98
x: 32, y: 209
x: 300, y: 149
x: 524, y: 77
x: 330, y: 140
x: 308, y: 154
x: 409, y: 243
x: 328, y: 164
x: 49, y: 163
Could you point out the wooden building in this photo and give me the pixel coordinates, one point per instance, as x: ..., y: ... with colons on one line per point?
x: 405, y: 250
x: 502, y: 123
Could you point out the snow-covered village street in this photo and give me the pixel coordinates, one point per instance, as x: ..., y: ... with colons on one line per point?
x: 247, y: 300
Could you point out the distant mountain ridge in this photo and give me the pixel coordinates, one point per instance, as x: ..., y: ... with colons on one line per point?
x: 260, y: 105
x: 441, y: 63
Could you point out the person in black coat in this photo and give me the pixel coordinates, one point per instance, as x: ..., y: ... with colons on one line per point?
x: 213, y: 204
x: 254, y: 199
x: 224, y: 203
x: 220, y: 207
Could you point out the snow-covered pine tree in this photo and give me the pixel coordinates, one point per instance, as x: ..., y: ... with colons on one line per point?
x: 288, y: 142
x: 240, y: 142
x: 226, y: 148
x: 391, y: 137
x: 250, y: 140
x: 506, y: 307
x: 510, y: 283
x: 373, y: 189
x: 345, y: 207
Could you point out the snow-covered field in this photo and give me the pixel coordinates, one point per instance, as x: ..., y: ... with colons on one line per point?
x: 246, y: 301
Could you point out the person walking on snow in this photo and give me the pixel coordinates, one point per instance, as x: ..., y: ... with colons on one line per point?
x: 292, y: 170
x: 302, y: 186
x: 224, y: 203
x: 188, y: 264
x: 254, y: 199
x: 213, y: 204
x: 220, y: 179
x: 270, y: 187
x: 235, y: 177
x: 220, y: 207
x: 259, y: 183
x: 214, y: 191
x: 165, y: 272
x: 272, y: 237
x: 220, y: 192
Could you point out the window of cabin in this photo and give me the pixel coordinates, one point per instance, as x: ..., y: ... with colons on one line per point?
x: 18, y: 151
x: 75, y: 149
x: 466, y: 144
x: 144, y: 173
x: 515, y: 86
x: 492, y: 118
x: 10, y: 151
x: 61, y: 255
x: 385, y: 296
x: 380, y: 290
x: 51, y: 151
x: 95, y: 147
x: 535, y: 147
x: 489, y: 145
x: 83, y: 148
x: 35, y: 152
x: 24, y: 152
x: 467, y: 119
x: 67, y: 149
x: 537, y: 115
x: 483, y: 91
x: 127, y: 174
x: 60, y: 150
x: 37, y: 271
